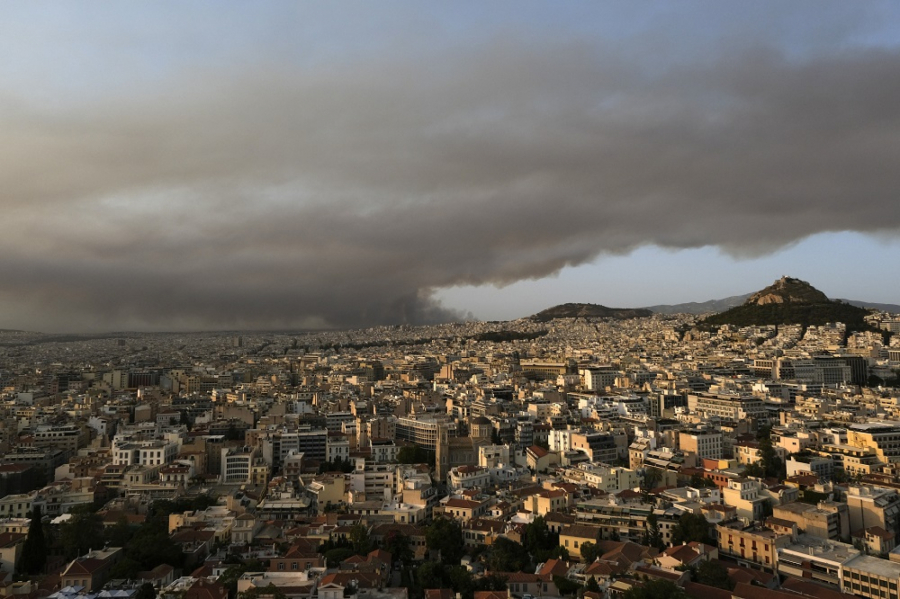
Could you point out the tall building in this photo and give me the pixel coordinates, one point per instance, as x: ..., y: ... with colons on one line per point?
x: 873, y: 506
x: 442, y: 453
x: 706, y: 443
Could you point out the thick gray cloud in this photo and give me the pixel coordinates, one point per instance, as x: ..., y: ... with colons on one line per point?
x: 279, y: 196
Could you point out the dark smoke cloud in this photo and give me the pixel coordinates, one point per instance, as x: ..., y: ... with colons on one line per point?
x: 282, y: 197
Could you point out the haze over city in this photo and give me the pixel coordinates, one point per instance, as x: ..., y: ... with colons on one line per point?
x: 199, y: 166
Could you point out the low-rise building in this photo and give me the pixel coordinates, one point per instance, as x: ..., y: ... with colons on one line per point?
x: 752, y: 546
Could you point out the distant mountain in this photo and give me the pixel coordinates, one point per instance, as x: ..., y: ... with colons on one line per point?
x: 791, y: 301
x: 589, y: 311
x: 893, y: 308
x: 719, y: 305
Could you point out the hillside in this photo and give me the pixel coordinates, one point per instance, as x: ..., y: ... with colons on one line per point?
x: 720, y: 305
x: 791, y: 301
x: 717, y: 305
x: 787, y: 290
x: 589, y: 311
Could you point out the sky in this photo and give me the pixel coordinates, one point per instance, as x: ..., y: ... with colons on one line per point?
x: 274, y: 165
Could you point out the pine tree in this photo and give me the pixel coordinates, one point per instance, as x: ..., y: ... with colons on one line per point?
x: 34, y: 551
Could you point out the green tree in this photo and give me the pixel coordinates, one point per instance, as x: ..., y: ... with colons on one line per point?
x: 491, y: 582
x: 269, y: 591
x: 698, y: 481
x: 407, y: 581
x: 592, y: 585
x: 230, y: 576
x: 652, y: 476
x: 430, y: 575
x: 445, y: 536
x: 337, y: 555
x: 333, y: 543
x: 714, y: 574
x: 566, y: 586
x: 460, y: 579
x: 655, y: 589
x: 413, y: 454
x: 508, y: 556
x: 756, y: 470
x: 840, y: 476
x: 151, y: 546
x: 558, y: 552
x: 232, y: 433
x: 397, y: 544
x: 589, y: 552
x: 359, y: 539
x: 34, y: 550
x: 540, y: 542
x: 771, y: 464
x: 120, y: 533
x: 162, y: 508
x: 185, y: 419
x: 126, y: 569
x: 81, y: 533
x: 690, y: 527
x: 653, y: 536
x: 145, y: 591
x: 338, y: 465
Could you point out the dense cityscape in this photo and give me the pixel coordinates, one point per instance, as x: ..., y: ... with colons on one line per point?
x: 632, y: 456
x: 449, y: 300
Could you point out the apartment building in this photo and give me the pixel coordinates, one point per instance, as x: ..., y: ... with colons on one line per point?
x: 468, y: 477
x: 745, y: 495
x: 421, y: 432
x: 238, y: 464
x: 462, y: 509
x: 731, y: 408
x: 752, y: 546
x: 376, y: 481
x: 827, y: 520
x: 598, y: 378
x: 704, y: 442
x: 871, y: 577
x: 609, y: 478
x: 153, y: 452
x: 625, y: 522
x: 313, y: 444
x: 873, y: 506
x: 574, y: 536
x: 70, y: 438
x: 882, y: 437
x: 337, y: 447
x: 601, y: 446
x: 819, y: 466
x: 816, y: 559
